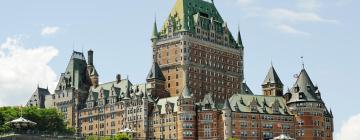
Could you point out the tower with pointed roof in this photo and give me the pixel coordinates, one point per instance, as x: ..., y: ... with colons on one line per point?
x: 304, y: 100
x: 272, y: 85
x: 195, y: 37
x: 186, y: 114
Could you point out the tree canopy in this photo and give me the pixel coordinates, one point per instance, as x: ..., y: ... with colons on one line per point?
x: 48, y: 120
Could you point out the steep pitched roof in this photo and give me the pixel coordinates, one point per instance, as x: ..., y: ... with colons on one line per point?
x: 246, y: 89
x: 186, y: 92
x: 155, y: 73
x: 155, y: 33
x: 264, y: 104
x: 75, y: 75
x: 303, y: 89
x: 226, y: 105
x: 184, y: 11
x: 272, y: 77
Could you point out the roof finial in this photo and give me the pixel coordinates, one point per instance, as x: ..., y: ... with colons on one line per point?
x: 73, y: 46
x: 302, y: 62
x: 239, y: 40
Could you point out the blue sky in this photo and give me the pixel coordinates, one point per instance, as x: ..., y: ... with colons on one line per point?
x: 37, y: 38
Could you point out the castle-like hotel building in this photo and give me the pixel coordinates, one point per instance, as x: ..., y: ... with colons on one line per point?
x: 194, y: 90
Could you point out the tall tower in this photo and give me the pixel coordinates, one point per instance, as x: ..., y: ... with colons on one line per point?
x: 314, y: 121
x: 196, y: 38
x: 272, y: 85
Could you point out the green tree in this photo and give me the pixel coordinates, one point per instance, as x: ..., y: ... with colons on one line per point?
x: 48, y: 120
x: 122, y: 136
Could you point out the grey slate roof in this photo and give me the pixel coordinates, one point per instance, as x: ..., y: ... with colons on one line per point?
x: 75, y: 73
x: 38, y: 97
x: 155, y: 73
x: 303, y: 87
x: 246, y: 89
x: 272, y: 77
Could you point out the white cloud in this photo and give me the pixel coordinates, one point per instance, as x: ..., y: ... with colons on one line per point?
x: 22, y: 68
x: 309, y: 5
x: 49, y: 30
x: 350, y: 129
x: 245, y: 2
x: 289, y: 29
x: 286, y: 15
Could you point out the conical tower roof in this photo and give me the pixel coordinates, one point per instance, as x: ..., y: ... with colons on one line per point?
x: 155, y: 33
x: 155, y: 73
x: 239, y: 40
x: 272, y: 77
x: 303, y: 89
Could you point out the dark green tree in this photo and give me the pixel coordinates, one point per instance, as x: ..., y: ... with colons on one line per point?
x: 48, y: 121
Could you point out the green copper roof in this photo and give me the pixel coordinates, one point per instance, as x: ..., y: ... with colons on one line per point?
x: 264, y: 104
x: 155, y: 33
x: 186, y: 15
x: 185, y: 12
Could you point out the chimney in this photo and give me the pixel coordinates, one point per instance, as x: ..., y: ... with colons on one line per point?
x: 90, y: 57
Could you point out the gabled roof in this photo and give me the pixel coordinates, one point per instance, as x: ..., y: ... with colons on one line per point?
x: 186, y: 92
x: 303, y: 87
x: 272, y: 77
x: 208, y: 100
x: 163, y: 101
x: 155, y: 73
x: 92, y: 71
x: 226, y: 105
x: 75, y: 73
x: 242, y: 102
x: 246, y: 89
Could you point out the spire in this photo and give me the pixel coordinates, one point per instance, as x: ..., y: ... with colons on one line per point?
x: 272, y: 77
x: 239, y: 40
x: 226, y: 105
x: 155, y: 33
x: 155, y: 73
x: 302, y: 62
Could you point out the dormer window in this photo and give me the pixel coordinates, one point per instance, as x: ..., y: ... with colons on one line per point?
x: 301, y: 95
x: 254, y: 108
x: 297, y: 89
x: 308, y: 87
